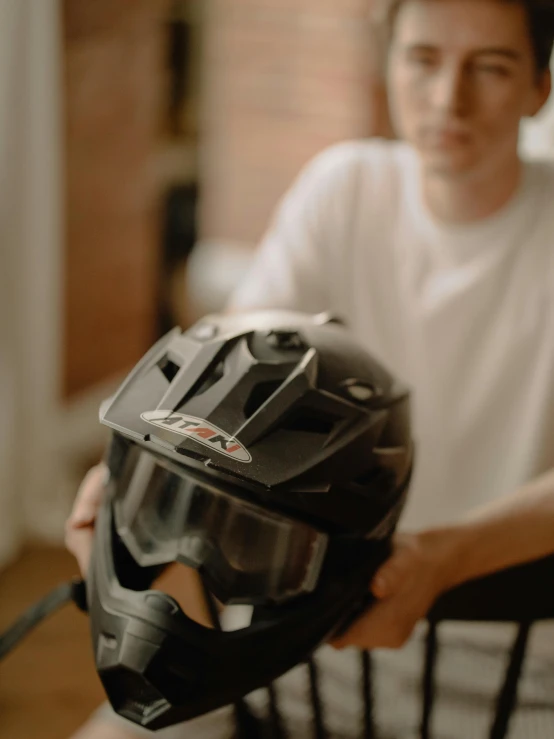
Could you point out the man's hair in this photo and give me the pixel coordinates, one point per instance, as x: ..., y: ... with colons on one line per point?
x: 540, y: 16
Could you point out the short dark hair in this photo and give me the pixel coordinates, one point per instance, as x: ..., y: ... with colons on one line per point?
x: 540, y: 15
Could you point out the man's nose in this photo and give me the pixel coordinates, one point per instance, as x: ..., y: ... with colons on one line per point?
x: 449, y: 92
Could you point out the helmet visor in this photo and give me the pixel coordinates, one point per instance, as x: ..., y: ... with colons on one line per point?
x: 248, y: 554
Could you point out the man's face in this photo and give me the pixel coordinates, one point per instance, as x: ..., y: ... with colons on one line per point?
x: 461, y: 75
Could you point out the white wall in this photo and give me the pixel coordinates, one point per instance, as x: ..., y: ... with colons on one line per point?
x: 40, y: 438
x: 537, y: 134
x: 30, y: 260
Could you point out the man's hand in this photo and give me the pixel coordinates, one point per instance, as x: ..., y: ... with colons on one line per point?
x: 419, y: 569
x: 79, y: 527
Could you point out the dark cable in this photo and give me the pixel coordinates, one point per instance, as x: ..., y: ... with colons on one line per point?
x: 508, y: 694
x: 34, y: 615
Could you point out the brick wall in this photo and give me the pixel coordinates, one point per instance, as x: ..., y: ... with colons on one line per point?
x: 283, y: 79
x: 114, y: 77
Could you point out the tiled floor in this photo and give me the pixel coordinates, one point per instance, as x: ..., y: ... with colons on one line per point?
x: 48, y: 685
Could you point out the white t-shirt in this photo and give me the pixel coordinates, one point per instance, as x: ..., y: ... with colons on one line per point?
x: 462, y: 314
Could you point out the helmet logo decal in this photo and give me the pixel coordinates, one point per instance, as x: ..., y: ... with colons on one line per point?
x: 201, y: 431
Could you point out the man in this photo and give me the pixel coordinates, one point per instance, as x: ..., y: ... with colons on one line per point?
x: 438, y: 254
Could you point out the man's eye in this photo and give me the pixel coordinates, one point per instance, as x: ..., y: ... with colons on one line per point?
x: 422, y: 60
x: 493, y: 69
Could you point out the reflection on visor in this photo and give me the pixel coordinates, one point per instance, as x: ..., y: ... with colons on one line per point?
x: 248, y: 554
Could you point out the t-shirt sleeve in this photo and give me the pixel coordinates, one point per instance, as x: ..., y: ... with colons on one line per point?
x: 295, y: 265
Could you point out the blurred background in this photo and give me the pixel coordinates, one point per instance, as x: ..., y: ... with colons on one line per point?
x: 143, y: 147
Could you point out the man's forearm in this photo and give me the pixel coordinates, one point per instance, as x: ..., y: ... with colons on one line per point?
x: 508, y: 532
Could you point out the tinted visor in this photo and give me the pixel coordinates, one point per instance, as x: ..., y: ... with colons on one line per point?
x: 246, y: 553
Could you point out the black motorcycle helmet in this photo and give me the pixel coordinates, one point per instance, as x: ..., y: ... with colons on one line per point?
x: 272, y: 454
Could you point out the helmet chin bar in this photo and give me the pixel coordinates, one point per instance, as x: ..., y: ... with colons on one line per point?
x: 160, y: 667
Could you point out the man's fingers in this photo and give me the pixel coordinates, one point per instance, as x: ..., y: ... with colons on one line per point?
x: 381, y: 627
x: 79, y: 542
x: 392, y: 574
x: 380, y: 585
x: 89, y: 497
x: 79, y: 527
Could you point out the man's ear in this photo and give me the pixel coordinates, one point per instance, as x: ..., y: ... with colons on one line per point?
x: 541, y: 94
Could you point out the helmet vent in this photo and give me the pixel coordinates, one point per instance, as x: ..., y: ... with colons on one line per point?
x: 374, y: 476
x: 258, y: 396
x: 215, y: 375
x: 168, y: 368
x: 309, y: 421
